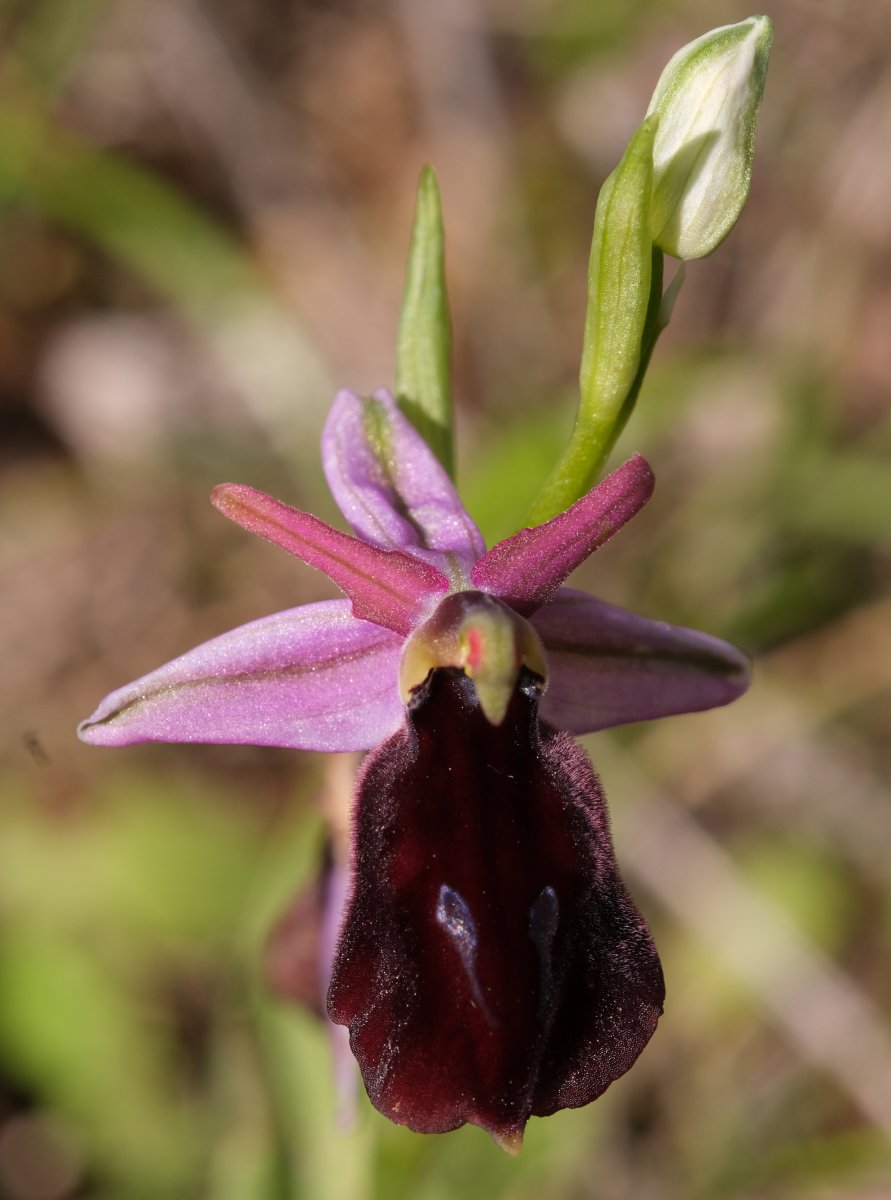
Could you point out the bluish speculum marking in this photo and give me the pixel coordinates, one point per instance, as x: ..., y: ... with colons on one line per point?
x: 454, y: 915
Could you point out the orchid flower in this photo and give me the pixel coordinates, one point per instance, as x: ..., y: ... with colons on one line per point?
x: 491, y: 965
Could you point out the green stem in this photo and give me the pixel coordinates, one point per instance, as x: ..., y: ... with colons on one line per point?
x: 622, y: 297
x: 579, y: 467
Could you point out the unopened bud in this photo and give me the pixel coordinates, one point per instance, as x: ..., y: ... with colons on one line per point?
x: 707, y: 99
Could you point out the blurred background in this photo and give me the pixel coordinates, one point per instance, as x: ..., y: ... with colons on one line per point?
x: 204, y: 216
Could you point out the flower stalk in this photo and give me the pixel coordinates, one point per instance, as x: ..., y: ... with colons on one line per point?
x: 679, y: 189
x: 620, y: 296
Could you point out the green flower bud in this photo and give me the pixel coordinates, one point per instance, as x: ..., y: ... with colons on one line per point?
x: 707, y: 99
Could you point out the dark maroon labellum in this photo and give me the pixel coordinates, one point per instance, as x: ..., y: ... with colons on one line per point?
x: 491, y: 965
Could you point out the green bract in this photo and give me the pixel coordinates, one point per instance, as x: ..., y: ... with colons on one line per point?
x: 424, y: 345
x: 678, y: 190
x: 707, y: 100
x: 621, y: 304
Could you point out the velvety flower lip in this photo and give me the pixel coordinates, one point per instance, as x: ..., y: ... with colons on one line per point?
x: 491, y: 966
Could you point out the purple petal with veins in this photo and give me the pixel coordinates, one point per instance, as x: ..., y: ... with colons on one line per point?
x: 526, y: 569
x: 608, y: 666
x: 391, y: 487
x: 313, y: 678
x: 388, y: 587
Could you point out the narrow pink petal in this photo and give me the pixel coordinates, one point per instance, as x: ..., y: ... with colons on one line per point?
x: 391, y: 487
x: 608, y: 666
x: 526, y: 569
x: 387, y: 587
x: 313, y: 678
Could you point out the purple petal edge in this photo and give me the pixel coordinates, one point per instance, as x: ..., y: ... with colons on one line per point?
x: 311, y: 678
x: 390, y: 486
x: 526, y: 569
x: 609, y: 666
x: 388, y: 587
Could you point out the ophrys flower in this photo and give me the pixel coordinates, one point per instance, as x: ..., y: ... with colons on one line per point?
x: 491, y: 965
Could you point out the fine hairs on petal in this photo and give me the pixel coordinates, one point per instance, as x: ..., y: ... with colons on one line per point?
x: 608, y: 666
x: 311, y: 678
x: 387, y: 587
x: 491, y: 966
x: 526, y: 569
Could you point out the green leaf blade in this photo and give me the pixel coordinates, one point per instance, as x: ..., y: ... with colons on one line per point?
x: 424, y: 344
